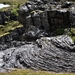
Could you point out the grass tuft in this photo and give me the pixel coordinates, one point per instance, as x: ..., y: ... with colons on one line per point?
x: 5, y: 29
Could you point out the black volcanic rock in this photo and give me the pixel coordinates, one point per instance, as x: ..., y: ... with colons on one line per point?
x: 34, y: 33
x: 48, y: 53
x: 36, y: 48
x: 47, y: 15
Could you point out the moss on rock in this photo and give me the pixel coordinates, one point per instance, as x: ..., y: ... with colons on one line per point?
x: 9, y: 27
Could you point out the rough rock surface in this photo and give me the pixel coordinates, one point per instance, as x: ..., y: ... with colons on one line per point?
x: 6, y: 16
x: 47, y: 15
x: 48, y: 53
x: 12, y: 39
x: 40, y: 18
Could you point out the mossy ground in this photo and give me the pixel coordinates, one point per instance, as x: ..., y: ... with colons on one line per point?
x: 5, y: 29
x: 32, y: 72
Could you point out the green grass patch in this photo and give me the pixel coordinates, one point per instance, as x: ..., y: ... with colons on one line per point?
x: 72, y: 35
x: 14, y: 5
x: 73, y: 38
x: 14, y: 11
x: 5, y: 29
x: 32, y: 72
x: 72, y: 31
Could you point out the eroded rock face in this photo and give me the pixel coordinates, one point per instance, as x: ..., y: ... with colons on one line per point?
x: 48, y: 53
x: 47, y: 15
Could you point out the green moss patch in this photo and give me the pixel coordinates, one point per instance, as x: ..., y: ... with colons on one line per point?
x: 72, y: 35
x: 5, y: 29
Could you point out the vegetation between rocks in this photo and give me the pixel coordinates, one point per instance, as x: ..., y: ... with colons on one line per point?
x: 5, y: 29
x: 14, y: 5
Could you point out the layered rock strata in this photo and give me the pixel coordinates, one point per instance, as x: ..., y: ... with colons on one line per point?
x: 48, y: 53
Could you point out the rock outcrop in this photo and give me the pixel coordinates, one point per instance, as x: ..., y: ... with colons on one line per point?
x: 7, y: 41
x: 47, y: 15
x: 48, y: 53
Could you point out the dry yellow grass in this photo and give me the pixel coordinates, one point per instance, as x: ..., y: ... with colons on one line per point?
x: 13, y: 1
x: 32, y: 72
x: 4, y: 30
